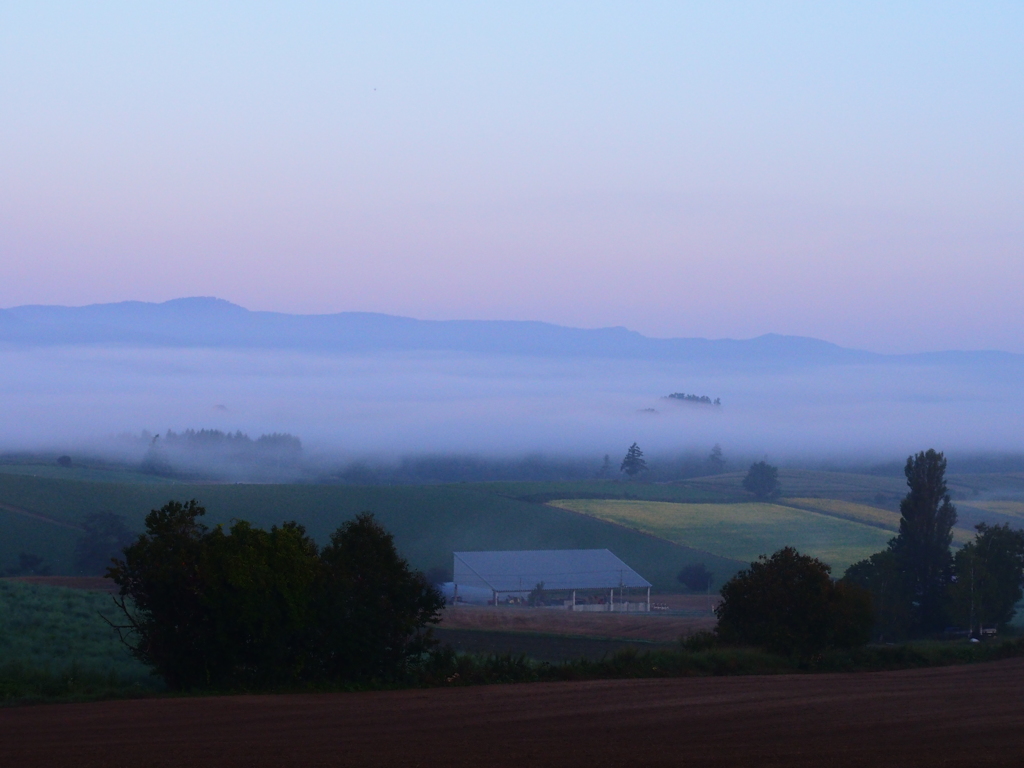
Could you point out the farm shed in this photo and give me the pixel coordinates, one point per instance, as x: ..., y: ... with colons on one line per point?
x: 516, y: 572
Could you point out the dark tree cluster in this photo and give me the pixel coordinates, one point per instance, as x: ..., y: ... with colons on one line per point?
x: 699, y: 399
x: 104, y: 536
x: 696, y: 578
x: 789, y: 604
x: 248, y: 608
x: 28, y: 565
x: 918, y: 586
x: 762, y: 480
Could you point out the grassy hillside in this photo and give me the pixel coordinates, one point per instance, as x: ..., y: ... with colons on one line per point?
x: 743, y: 531
x: 840, y: 517
x: 429, y: 523
x: 870, y: 489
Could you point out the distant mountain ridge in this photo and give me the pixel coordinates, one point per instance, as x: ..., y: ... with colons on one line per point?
x: 214, y: 323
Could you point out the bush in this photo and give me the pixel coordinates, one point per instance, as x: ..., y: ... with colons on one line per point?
x: 696, y: 578
x: 762, y: 480
x: 789, y: 604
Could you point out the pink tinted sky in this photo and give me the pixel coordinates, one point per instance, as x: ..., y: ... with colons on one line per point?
x: 854, y: 173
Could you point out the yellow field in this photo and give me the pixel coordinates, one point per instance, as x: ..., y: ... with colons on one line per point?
x: 849, y: 510
x: 742, y: 531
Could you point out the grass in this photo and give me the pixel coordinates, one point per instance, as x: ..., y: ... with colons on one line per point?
x: 54, y: 543
x: 742, y: 531
x: 53, y: 644
x: 1014, y: 509
x: 55, y: 647
x: 451, y: 669
x: 809, y: 483
x: 865, y: 515
x: 429, y: 522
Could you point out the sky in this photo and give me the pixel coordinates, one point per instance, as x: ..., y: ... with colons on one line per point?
x: 848, y: 171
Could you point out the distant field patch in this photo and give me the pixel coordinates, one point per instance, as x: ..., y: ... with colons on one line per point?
x: 849, y: 510
x: 1008, y: 508
x: 742, y: 531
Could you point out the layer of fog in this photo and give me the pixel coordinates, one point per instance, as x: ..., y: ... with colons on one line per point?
x: 385, y: 406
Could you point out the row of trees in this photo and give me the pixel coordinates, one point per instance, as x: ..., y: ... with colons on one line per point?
x: 918, y: 585
x: 209, y: 608
x: 789, y: 603
x: 634, y: 464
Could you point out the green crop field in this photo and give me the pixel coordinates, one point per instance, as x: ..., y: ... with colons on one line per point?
x: 429, y: 522
x: 53, y: 644
x: 1006, y: 508
x: 742, y: 531
x: 808, y: 483
x: 866, y: 515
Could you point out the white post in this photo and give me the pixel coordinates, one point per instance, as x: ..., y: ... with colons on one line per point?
x: 455, y: 595
x: 611, y: 600
x: 495, y: 598
x: 648, y: 599
x: 574, y: 599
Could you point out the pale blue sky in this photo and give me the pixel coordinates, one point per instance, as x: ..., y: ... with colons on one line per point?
x: 853, y: 172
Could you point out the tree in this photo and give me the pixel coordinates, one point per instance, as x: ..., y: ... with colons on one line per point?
x: 375, y: 610
x: 103, y: 538
x: 987, y: 577
x: 252, y: 608
x: 921, y: 549
x: 633, y: 464
x: 696, y: 578
x: 881, y: 578
x: 715, y: 461
x: 606, y: 467
x: 537, y: 595
x: 789, y: 604
x: 762, y: 480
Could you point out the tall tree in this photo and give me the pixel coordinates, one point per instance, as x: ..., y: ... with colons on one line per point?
x: 921, y: 549
x: 634, y: 463
x: 715, y: 461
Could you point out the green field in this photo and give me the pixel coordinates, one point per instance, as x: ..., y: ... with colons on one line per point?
x: 429, y: 522
x: 53, y: 643
x: 838, y: 517
x: 742, y: 531
x: 1013, y: 509
x: 870, y: 489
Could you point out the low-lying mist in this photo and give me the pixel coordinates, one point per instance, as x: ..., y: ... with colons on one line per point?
x: 375, y: 410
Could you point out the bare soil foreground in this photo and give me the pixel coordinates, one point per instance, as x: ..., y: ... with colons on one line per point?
x: 953, y: 716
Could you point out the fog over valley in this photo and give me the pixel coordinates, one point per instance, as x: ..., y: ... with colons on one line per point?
x: 371, y: 387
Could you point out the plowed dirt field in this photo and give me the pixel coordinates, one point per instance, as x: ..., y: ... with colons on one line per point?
x: 953, y: 716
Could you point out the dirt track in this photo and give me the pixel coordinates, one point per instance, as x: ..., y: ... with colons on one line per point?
x: 953, y: 716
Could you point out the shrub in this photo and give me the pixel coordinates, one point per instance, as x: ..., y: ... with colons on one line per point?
x: 789, y: 604
x: 762, y: 480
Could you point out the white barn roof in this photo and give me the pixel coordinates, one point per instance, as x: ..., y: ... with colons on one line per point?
x: 522, y: 570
